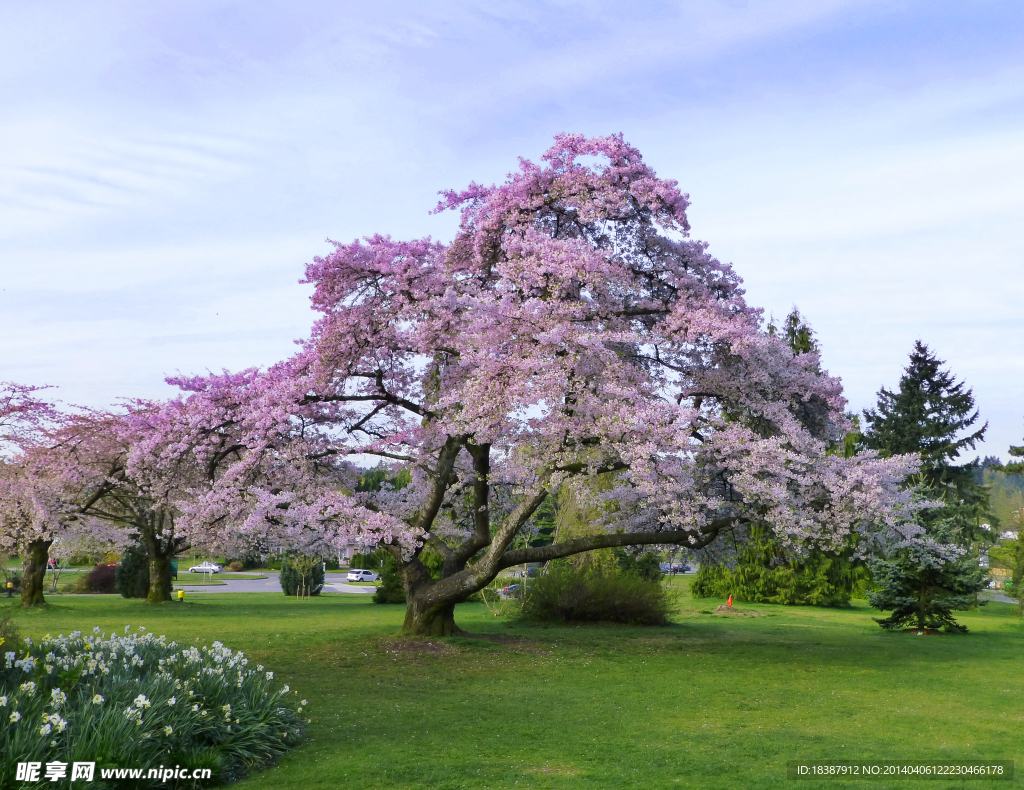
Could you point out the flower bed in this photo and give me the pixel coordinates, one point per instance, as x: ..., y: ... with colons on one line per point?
x: 139, y: 701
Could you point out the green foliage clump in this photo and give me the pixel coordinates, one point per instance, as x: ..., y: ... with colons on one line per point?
x: 131, y: 577
x: 8, y: 634
x: 101, y: 579
x: 1015, y: 467
x: 646, y: 565
x: 15, y: 580
x: 291, y: 578
x: 138, y: 700
x: 571, y: 595
x: 926, y: 415
x: 371, y: 561
x: 389, y: 589
x: 922, y: 588
x: 764, y: 574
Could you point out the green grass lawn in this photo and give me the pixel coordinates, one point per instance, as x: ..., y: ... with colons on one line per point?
x: 711, y: 701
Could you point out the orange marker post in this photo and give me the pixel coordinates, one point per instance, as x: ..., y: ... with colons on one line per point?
x: 729, y: 602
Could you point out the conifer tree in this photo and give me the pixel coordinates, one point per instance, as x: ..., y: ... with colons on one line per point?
x: 1016, y: 467
x: 931, y: 414
x: 928, y: 415
x: 922, y: 585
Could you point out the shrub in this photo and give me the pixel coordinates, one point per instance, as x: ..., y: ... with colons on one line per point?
x: 569, y: 594
x: 15, y: 579
x: 8, y: 634
x: 235, y: 566
x: 99, y: 580
x: 370, y: 561
x: 765, y: 574
x: 291, y: 579
x: 646, y: 565
x: 131, y: 577
x: 136, y: 700
x: 390, y: 589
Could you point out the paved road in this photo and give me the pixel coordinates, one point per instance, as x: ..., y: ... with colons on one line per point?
x: 334, y: 583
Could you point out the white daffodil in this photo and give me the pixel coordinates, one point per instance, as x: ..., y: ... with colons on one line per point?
x: 97, y: 699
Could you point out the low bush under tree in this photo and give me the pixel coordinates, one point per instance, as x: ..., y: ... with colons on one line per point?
x: 589, y: 595
x: 296, y: 582
x: 131, y: 576
x: 764, y: 573
x: 389, y: 590
x: 646, y: 565
x: 101, y: 579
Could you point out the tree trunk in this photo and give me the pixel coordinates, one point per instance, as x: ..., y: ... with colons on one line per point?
x: 430, y: 605
x: 435, y: 619
x: 160, y: 584
x: 35, y: 572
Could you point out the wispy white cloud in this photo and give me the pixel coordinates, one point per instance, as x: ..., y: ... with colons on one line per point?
x: 166, y: 168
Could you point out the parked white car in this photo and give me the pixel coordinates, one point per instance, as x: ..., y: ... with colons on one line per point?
x: 205, y: 567
x: 360, y: 575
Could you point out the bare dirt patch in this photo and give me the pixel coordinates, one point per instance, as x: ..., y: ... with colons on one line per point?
x: 416, y: 645
x: 731, y: 611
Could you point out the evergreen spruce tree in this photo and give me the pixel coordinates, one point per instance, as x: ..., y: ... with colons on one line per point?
x: 1016, y: 467
x: 131, y: 576
x: 928, y: 415
x: 389, y: 590
x: 931, y: 414
x: 922, y: 587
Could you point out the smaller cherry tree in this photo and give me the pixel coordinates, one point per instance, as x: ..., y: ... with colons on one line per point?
x: 33, y: 503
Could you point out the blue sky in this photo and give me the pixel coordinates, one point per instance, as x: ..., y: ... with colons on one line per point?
x: 167, y: 168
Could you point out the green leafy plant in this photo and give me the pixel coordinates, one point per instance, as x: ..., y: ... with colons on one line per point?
x: 570, y: 594
x: 131, y: 576
x: 389, y: 589
x: 765, y: 574
x: 100, y: 579
x: 297, y: 580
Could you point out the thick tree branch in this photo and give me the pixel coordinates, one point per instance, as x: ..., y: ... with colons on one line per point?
x: 481, y: 502
x: 567, y: 548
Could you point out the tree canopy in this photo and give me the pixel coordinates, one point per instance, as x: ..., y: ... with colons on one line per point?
x: 570, y: 329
